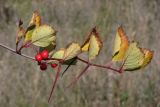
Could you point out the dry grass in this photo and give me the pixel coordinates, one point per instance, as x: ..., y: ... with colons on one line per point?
x: 23, y: 85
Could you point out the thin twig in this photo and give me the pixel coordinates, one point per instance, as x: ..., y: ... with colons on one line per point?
x: 14, y: 51
x: 55, y: 81
x: 68, y: 67
x: 78, y: 77
x: 97, y: 65
x: 24, y: 55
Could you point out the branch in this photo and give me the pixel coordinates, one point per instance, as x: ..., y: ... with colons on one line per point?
x: 80, y: 59
x: 14, y: 51
x: 61, y: 61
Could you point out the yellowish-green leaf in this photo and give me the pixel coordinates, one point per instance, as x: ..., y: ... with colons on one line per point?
x: 72, y: 51
x: 92, y: 44
x: 59, y: 54
x: 28, y: 36
x: 28, y: 33
x: 120, y: 45
x: 133, y: 58
x: 95, y: 44
x: 43, y: 36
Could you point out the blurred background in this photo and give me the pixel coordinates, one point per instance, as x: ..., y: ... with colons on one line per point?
x: 22, y: 84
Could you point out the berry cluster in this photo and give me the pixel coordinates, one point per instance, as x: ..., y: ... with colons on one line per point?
x: 43, y: 56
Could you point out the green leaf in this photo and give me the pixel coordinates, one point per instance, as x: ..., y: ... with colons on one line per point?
x: 43, y: 36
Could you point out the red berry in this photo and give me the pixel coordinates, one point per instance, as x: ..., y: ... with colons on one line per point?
x: 38, y: 57
x: 43, y: 66
x: 44, y: 54
x: 54, y: 65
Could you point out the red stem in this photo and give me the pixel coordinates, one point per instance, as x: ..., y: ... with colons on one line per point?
x: 55, y: 81
x: 78, y: 77
x: 101, y: 66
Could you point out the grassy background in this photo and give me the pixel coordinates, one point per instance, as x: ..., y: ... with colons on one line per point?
x: 23, y: 85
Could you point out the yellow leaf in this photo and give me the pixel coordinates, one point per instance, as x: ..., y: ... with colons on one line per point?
x: 92, y: 44
x: 36, y: 19
x: 135, y: 58
x: 72, y: 51
x: 147, y: 57
x: 120, y: 45
x: 34, y: 22
x: 85, y: 46
x: 95, y: 44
